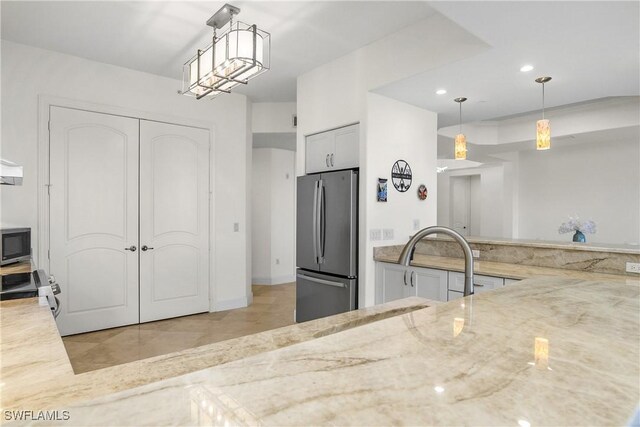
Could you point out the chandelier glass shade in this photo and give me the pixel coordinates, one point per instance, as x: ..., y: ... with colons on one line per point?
x: 543, y: 135
x: 460, y: 147
x: 241, y: 53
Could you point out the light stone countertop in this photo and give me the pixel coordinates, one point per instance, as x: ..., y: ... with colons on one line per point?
x: 500, y: 269
x: 546, y: 351
x: 548, y: 244
x: 36, y: 373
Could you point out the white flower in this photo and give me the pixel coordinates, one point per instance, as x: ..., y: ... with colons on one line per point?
x: 574, y: 224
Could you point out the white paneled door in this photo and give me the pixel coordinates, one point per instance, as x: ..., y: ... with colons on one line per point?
x: 174, y: 220
x: 129, y: 219
x: 93, y: 218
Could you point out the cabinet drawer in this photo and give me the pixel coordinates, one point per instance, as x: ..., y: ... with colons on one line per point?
x: 481, y: 283
x: 454, y: 295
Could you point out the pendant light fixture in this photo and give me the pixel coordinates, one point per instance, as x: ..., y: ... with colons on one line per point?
x: 543, y: 129
x: 460, y: 142
x: 239, y: 54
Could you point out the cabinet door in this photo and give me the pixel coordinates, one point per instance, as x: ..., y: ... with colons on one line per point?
x: 430, y: 283
x: 347, y: 148
x: 318, y: 152
x: 174, y: 220
x: 393, y: 282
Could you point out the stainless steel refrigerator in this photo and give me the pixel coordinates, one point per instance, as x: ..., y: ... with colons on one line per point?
x: 326, y: 244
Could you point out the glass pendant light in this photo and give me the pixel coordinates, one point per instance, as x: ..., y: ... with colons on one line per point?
x: 460, y: 142
x: 543, y: 129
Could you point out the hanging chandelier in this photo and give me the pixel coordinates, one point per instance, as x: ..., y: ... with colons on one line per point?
x: 239, y: 54
x: 460, y: 141
x: 543, y: 129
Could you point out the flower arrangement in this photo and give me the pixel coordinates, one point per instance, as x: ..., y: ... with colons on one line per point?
x: 574, y: 224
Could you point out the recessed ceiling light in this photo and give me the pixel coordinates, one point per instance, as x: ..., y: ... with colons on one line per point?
x: 441, y: 91
x: 526, y: 68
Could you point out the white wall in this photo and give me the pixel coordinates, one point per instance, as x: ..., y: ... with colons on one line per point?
x: 273, y: 216
x: 598, y: 181
x: 396, y: 131
x: 28, y: 72
x: 273, y: 117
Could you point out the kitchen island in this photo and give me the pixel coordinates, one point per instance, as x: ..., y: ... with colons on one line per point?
x: 546, y: 351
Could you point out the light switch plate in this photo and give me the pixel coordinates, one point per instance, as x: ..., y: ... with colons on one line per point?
x: 633, y: 267
x: 387, y: 234
x: 416, y: 224
x: 236, y: 227
x: 476, y: 253
x: 375, y: 234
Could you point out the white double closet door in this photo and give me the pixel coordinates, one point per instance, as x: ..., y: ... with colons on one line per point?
x: 129, y: 219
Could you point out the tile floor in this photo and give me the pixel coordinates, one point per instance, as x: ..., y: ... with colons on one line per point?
x: 272, y: 308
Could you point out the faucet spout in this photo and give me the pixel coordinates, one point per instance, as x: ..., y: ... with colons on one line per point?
x: 405, y: 256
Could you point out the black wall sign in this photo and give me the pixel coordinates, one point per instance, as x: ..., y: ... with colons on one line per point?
x: 401, y: 175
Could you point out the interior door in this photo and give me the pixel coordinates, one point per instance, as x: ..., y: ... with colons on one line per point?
x: 460, y: 188
x: 94, y: 218
x: 174, y: 220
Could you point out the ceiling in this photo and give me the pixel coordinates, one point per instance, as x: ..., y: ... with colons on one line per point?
x: 591, y: 49
x: 158, y: 37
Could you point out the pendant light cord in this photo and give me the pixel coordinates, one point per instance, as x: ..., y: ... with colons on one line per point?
x: 542, y: 101
x: 460, y: 122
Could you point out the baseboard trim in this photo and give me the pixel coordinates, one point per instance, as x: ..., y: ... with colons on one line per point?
x: 273, y: 280
x: 230, y: 304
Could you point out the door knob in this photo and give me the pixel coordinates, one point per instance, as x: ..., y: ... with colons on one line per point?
x: 145, y: 248
x: 131, y: 248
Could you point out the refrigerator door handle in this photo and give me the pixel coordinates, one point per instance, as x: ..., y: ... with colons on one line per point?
x: 314, y: 223
x: 320, y: 221
x: 322, y: 281
x: 323, y: 222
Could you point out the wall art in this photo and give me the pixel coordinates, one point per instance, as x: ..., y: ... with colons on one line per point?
x: 401, y: 175
x: 422, y: 192
x: 382, y: 189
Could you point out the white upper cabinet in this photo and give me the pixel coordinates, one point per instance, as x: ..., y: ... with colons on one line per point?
x: 333, y: 150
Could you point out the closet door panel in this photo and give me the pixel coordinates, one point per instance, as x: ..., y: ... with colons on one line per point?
x: 174, y: 220
x: 93, y: 218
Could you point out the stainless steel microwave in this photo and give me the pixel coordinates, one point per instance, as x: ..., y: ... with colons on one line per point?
x: 15, y: 245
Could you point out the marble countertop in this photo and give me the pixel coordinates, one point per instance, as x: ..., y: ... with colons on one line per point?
x: 500, y: 269
x: 547, y: 351
x: 549, y: 244
x: 36, y: 373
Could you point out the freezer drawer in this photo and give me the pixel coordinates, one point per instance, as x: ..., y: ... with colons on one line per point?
x: 319, y: 295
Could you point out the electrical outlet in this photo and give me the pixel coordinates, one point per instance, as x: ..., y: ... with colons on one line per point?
x: 416, y: 224
x: 387, y: 234
x: 277, y: 261
x: 476, y: 253
x: 236, y: 227
x: 633, y: 267
x: 375, y: 234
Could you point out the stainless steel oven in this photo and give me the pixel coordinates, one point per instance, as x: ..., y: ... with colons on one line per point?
x: 15, y: 245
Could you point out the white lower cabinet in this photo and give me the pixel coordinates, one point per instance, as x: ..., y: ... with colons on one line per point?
x: 395, y: 282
